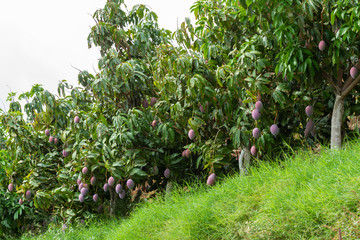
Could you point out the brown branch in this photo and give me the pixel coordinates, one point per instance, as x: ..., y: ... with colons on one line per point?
x: 340, y: 77
x: 330, y: 81
x: 340, y: 235
x: 348, y: 89
x: 178, y: 130
x: 126, y: 47
x: 118, y: 48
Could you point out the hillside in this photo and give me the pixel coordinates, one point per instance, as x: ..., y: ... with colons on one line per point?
x: 309, y: 196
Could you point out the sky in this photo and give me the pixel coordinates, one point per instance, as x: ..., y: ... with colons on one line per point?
x: 42, y: 41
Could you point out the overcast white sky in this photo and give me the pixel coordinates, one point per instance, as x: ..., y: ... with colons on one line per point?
x: 41, y: 39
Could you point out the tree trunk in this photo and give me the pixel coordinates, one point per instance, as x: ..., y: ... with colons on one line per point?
x: 336, y: 122
x: 118, y: 207
x: 113, y: 199
x: 244, y: 161
x: 169, y: 188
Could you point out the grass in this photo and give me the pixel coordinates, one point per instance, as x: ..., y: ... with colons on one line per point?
x: 309, y: 196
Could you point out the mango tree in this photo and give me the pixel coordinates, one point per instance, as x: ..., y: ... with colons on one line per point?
x: 306, y: 49
x: 105, y: 133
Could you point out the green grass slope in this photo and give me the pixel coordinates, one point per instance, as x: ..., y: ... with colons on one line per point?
x: 309, y: 196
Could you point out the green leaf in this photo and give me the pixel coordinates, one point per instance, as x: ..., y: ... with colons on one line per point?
x: 137, y: 173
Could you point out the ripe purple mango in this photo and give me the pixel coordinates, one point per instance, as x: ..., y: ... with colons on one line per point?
x: 93, y: 181
x: 122, y: 194
x: 81, y: 198
x: 111, y: 181
x: 65, y: 153
x: 256, y: 114
x: 130, y: 183
x: 310, y: 125
x: 28, y: 194
x: 47, y: 132
x: 153, y: 124
x: 77, y: 119
x: 167, y: 173
x: 96, y: 197
x: 118, y: 188
x: 51, y: 139
x: 11, y: 187
x: 211, y: 179
x: 306, y: 133
x: 84, y: 170
x: 84, y: 191
x: 78, y: 181
x: 100, y: 209
x: 21, y: 201
x: 322, y: 45
x: 201, y: 108
x: 85, y: 185
x: 186, y: 153
x: 253, y: 150
x: 309, y: 110
x: 256, y: 133
x: 153, y: 101
x: 353, y: 72
x: 259, y: 106
x: 145, y: 103
x: 191, y: 134
x: 81, y: 186
x: 106, y: 187
x: 56, y: 141
x: 274, y: 129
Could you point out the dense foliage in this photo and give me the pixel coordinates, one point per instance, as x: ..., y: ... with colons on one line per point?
x: 308, y: 196
x: 169, y: 106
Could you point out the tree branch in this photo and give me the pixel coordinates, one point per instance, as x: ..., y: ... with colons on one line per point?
x: 330, y: 81
x: 348, y: 89
x: 126, y: 47
x: 340, y: 77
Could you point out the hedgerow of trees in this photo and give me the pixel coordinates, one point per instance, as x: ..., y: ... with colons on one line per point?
x: 248, y: 80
